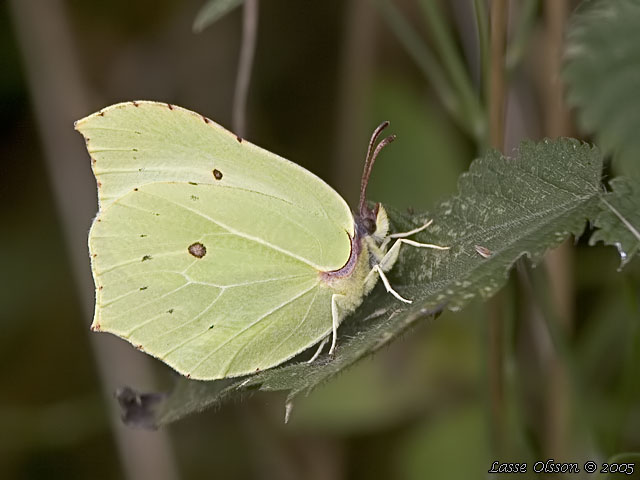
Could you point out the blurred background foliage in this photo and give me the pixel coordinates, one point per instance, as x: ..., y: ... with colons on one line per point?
x: 325, y: 73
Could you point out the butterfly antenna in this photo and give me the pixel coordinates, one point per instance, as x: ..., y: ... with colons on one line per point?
x: 374, y: 139
x: 372, y: 154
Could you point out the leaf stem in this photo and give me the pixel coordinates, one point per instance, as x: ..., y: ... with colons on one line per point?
x: 623, y: 219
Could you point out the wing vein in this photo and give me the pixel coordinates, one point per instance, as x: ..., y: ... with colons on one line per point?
x: 103, y: 305
x: 258, y: 320
x: 235, y: 355
x: 199, y: 315
x: 242, y: 235
x: 297, y: 327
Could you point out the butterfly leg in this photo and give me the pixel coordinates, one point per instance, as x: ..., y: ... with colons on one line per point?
x: 335, y: 316
x: 390, y: 256
x: 377, y: 269
x: 323, y: 342
x: 388, y: 259
x: 394, y: 236
x: 411, y: 232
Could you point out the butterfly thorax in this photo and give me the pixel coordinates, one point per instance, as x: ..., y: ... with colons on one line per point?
x: 366, y: 251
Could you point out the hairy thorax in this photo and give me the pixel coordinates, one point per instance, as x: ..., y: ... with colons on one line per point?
x: 351, y: 284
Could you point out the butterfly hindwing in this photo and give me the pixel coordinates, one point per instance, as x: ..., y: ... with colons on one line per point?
x: 212, y: 293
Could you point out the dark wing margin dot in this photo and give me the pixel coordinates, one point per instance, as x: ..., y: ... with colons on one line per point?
x: 197, y: 249
x: 217, y: 174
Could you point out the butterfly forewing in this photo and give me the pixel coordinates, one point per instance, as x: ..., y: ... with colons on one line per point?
x: 135, y: 143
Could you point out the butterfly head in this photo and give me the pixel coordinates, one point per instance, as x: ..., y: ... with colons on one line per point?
x: 372, y: 221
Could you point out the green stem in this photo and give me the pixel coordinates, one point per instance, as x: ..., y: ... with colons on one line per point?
x: 455, y: 67
x: 426, y: 61
x: 521, y: 34
x: 482, y: 21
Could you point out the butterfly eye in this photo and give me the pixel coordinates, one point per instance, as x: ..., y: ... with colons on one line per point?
x: 370, y: 225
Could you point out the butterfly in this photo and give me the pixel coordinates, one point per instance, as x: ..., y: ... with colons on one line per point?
x: 218, y: 257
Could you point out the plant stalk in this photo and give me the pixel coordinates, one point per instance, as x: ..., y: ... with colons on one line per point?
x: 59, y: 96
x: 496, y: 350
x: 559, y: 262
x: 497, y: 84
x: 454, y: 66
x: 482, y: 21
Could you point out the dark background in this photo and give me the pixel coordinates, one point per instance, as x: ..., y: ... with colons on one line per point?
x: 325, y: 74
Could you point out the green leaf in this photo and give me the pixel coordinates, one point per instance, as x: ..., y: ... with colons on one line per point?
x: 619, y: 220
x: 505, y: 208
x: 212, y: 11
x: 602, y: 71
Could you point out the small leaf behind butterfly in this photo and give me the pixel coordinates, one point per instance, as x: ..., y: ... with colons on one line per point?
x: 212, y: 11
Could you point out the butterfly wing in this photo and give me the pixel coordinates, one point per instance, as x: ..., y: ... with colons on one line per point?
x: 135, y: 143
x: 215, y: 281
x: 206, y: 249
